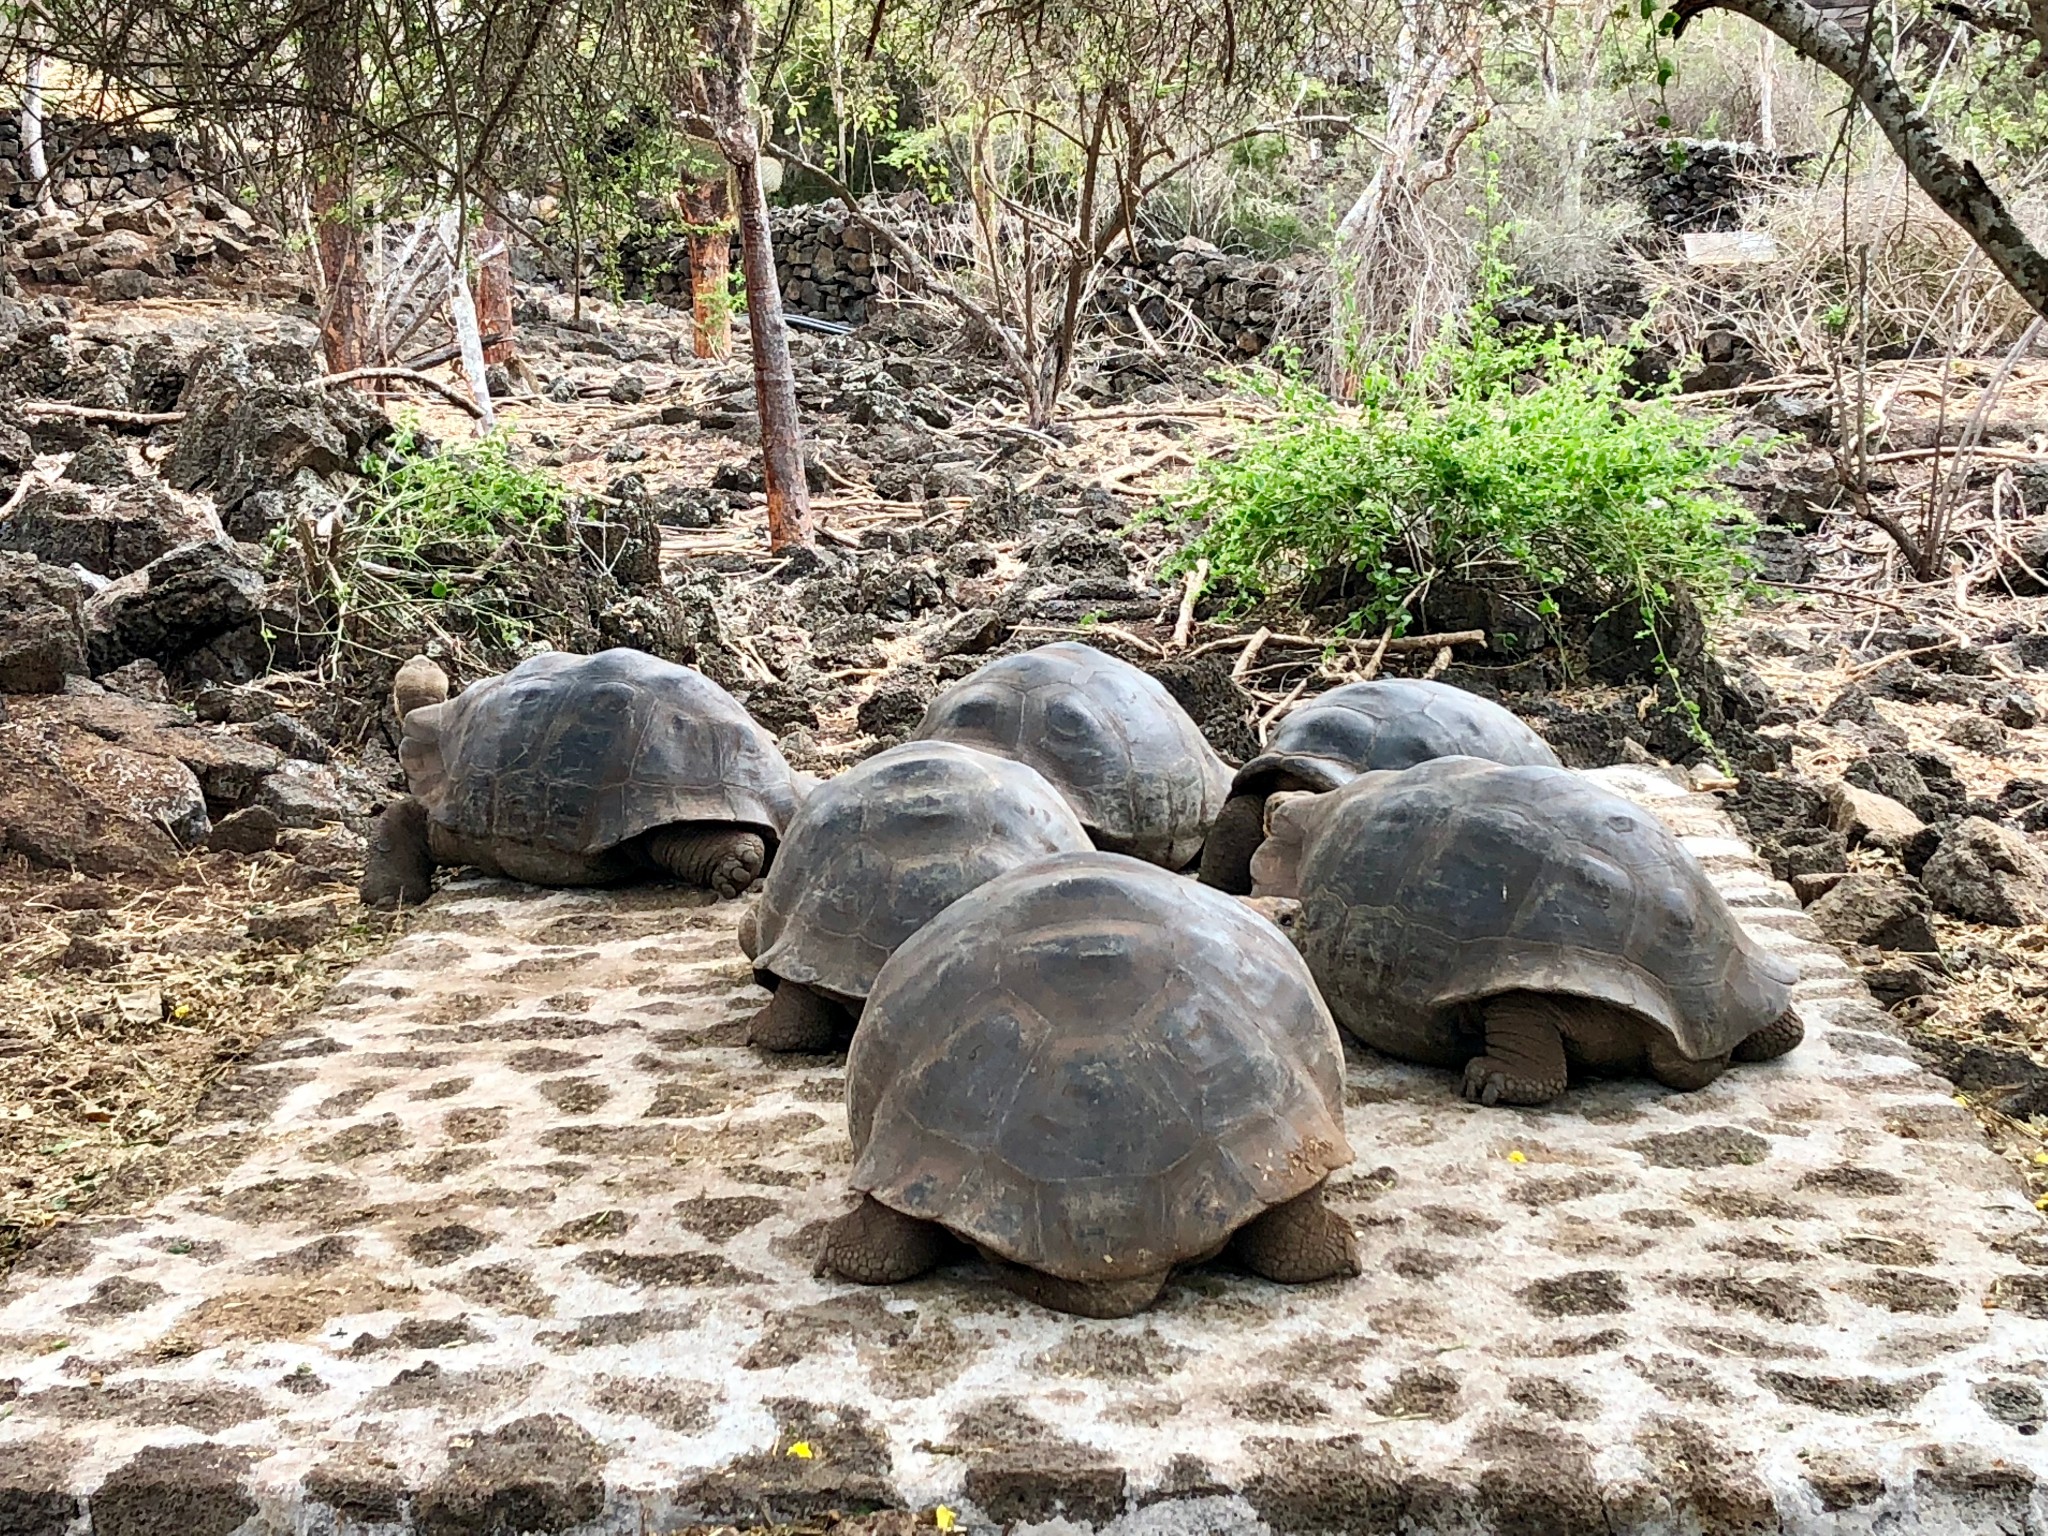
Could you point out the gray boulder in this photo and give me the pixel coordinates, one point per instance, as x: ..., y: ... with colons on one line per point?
x: 70, y: 798
x: 256, y: 418
x: 1880, y: 912
x: 110, y: 530
x: 1985, y: 873
x: 174, y: 605
x: 42, y: 630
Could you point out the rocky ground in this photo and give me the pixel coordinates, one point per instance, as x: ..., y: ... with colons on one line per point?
x: 194, y: 654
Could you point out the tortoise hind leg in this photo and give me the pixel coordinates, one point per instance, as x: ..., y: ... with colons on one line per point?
x: 874, y: 1245
x: 400, y: 867
x: 1677, y: 1071
x: 1524, y: 1061
x: 716, y: 855
x: 800, y: 1018
x: 1228, y: 849
x: 1773, y: 1040
x: 1297, y: 1242
x: 1083, y: 1298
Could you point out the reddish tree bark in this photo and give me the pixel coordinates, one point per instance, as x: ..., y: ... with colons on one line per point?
x: 726, y: 36
x: 494, y: 287
x: 707, y: 206
x: 782, y: 430
x: 331, y: 66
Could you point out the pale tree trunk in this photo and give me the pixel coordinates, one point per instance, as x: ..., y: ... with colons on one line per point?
x: 1390, y: 282
x: 707, y: 208
x: 35, y: 165
x: 726, y: 37
x: 1955, y: 185
x: 494, y: 286
x: 462, y: 314
x: 1767, y: 94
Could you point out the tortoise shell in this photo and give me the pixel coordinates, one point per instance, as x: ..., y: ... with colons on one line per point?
x: 1427, y: 891
x: 1136, y: 769
x: 1390, y: 723
x: 582, y: 753
x: 882, y: 849
x: 1096, y: 1069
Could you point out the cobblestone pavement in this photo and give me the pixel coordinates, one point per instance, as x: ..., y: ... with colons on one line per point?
x: 516, y: 1234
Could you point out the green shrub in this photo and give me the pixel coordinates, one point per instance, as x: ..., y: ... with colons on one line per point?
x: 460, y: 548
x: 1520, y: 463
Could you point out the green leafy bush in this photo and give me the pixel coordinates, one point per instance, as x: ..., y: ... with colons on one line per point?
x: 461, y: 548
x: 1521, y: 463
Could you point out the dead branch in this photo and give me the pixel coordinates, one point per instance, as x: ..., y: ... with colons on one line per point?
x: 101, y: 414
x: 447, y: 392
x: 1957, y: 187
x: 1185, y: 621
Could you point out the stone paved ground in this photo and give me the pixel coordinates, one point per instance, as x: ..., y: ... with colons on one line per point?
x: 515, y: 1234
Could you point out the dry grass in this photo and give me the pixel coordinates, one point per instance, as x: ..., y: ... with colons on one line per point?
x: 1879, y: 251
x: 106, y: 1061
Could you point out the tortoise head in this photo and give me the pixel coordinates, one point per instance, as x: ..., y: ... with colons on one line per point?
x: 419, y: 682
x: 1291, y: 817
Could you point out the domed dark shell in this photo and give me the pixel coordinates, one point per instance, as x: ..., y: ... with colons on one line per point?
x: 581, y: 753
x: 1096, y: 1069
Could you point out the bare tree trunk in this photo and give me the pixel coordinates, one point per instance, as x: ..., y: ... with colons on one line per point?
x: 339, y: 247
x: 707, y: 208
x: 462, y: 315
x: 494, y: 286
x: 1956, y: 186
x: 35, y: 165
x: 1388, y: 279
x: 782, y: 431
x: 726, y: 36
x: 331, y: 65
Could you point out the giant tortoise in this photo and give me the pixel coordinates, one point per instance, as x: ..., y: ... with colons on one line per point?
x: 874, y: 855
x: 1393, y: 722
x: 579, y: 770
x: 1092, y: 1070
x: 1136, y: 769
x: 1523, y: 924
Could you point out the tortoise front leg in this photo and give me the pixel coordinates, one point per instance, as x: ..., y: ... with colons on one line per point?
x: 1773, y: 1040
x: 716, y: 855
x: 1524, y: 1061
x: 1298, y: 1242
x: 874, y: 1245
x: 801, y: 1018
x: 400, y: 867
x: 1083, y: 1298
x: 1676, y: 1070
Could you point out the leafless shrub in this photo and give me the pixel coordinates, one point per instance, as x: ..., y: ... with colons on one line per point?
x: 1930, y: 290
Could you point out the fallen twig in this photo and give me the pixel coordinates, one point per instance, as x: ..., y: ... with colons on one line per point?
x: 447, y: 392
x: 1395, y: 645
x: 1119, y: 479
x: 1267, y: 720
x: 1371, y: 669
x: 1252, y: 648
x: 101, y: 414
x: 1149, y: 647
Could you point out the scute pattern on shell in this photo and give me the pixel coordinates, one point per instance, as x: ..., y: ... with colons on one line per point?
x: 884, y: 847
x: 1393, y: 722
x: 581, y: 753
x: 1096, y: 1069
x: 1427, y: 890
x: 1138, y: 772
